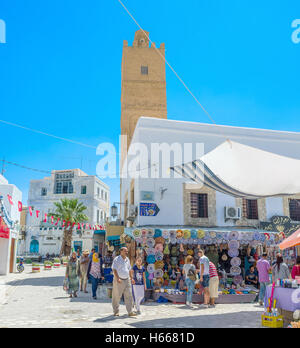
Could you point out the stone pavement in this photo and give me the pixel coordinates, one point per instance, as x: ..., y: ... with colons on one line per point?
x: 38, y: 300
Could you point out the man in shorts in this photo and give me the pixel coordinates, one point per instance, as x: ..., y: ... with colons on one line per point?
x: 204, y: 277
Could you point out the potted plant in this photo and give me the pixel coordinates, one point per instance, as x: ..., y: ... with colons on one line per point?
x: 48, y: 265
x: 57, y: 263
x: 36, y: 268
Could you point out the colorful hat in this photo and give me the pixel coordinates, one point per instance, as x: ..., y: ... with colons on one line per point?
x: 233, y: 244
x: 166, y: 234
x: 151, y: 268
x: 159, y: 240
x: 159, y: 256
x: 179, y: 234
x: 150, y: 259
x: 235, y: 270
x: 238, y: 279
x: 157, y: 233
x: 159, y: 247
x: 150, y: 233
x: 234, y: 235
x: 137, y: 233
x: 150, y: 243
x: 150, y: 251
x: 213, y: 234
x: 159, y: 265
x: 186, y: 234
x: 236, y: 261
x: 158, y: 273
x: 224, y: 257
x: 201, y: 234
x: 173, y: 234
x: 233, y: 252
x: 144, y: 233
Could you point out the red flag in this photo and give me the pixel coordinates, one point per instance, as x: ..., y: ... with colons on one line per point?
x: 30, y: 210
x: 90, y: 226
x: 64, y: 221
x: 20, y: 206
x: 37, y: 213
x: 87, y: 226
x: 10, y: 200
x: 57, y: 222
x: 68, y: 224
x: 45, y: 220
x: 74, y: 223
x: 52, y: 220
x: 79, y: 227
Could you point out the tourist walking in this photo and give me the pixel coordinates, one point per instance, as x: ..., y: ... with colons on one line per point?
x: 190, y: 275
x: 139, y: 283
x: 213, y: 284
x: 95, y: 273
x: 296, y: 269
x: 263, y: 266
x: 122, y: 283
x: 72, y: 274
x: 280, y: 269
x: 204, y: 277
x: 84, y: 265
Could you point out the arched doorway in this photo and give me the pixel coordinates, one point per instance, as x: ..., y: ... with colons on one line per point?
x: 34, y: 247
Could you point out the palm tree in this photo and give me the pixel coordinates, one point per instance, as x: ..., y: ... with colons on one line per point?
x: 69, y: 210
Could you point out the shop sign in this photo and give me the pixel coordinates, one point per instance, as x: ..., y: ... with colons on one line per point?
x: 280, y: 224
x: 149, y: 209
x: 147, y: 196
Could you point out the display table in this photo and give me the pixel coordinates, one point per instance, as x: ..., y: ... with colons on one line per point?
x: 177, y: 298
x: 231, y: 299
x: 287, y: 299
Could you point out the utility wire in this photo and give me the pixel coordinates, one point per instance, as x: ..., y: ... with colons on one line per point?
x: 47, y: 134
x: 24, y: 167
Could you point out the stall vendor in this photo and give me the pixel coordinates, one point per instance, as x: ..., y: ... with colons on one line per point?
x: 252, y: 277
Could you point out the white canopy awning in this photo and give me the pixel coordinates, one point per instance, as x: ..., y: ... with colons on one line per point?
x: 244, y: 171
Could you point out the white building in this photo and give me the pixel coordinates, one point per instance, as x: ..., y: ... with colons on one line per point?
x: 10, y: 217
x: 43, y: 238
x: 183, y: 203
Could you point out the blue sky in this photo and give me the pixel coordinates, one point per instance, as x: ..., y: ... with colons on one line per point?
x: 60, y: 72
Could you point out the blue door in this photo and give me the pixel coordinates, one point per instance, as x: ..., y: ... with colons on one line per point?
x: 34, y: 247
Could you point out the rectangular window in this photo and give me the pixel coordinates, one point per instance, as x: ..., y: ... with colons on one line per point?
x: 63, y: 187
x: 83, y: 190
x: 144, y: 70
x: 250, y: 209
x: 199, y: 205
x: 294, y: 209
x: 44, y: 191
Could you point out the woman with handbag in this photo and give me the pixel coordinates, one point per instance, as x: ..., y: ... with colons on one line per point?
x: 72, y: 275
x: 189, y: 271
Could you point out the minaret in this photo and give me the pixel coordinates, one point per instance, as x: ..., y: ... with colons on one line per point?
x: 144, y: 90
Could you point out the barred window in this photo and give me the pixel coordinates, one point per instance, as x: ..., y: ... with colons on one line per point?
x: 199, y: 205
x: 250, y: 209
x: 294, y: 209
x: 144, y: 70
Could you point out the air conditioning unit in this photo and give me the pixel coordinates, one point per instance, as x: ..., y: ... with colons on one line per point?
x: 232, y: 213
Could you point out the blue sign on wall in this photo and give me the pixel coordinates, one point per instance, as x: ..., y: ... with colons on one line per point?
x: 149, y: 209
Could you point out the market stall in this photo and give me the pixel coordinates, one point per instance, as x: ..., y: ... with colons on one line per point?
x: 233, y: 252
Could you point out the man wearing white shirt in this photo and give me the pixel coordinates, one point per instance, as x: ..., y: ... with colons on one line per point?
x: 122, y: 283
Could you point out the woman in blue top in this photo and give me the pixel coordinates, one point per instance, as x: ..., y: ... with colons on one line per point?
x: 139, y: 283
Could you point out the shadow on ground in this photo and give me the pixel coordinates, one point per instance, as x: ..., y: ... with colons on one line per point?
x: 51, y: 281
x: 222, y: 320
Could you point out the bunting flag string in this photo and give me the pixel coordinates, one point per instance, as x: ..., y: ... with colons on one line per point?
x: 63, y: 223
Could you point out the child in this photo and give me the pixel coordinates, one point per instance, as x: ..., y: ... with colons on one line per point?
x: 139, y: 283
